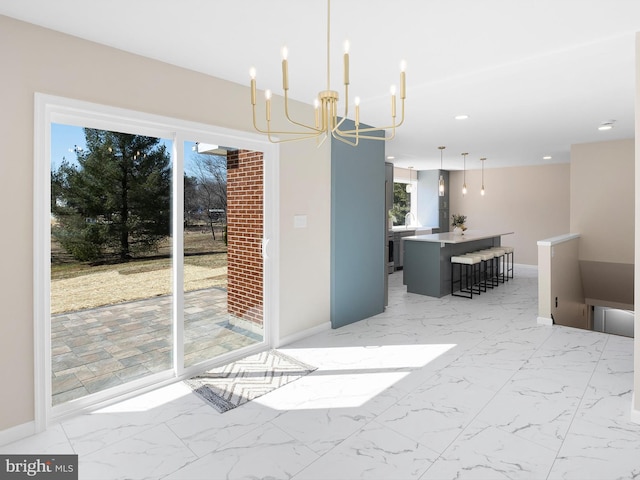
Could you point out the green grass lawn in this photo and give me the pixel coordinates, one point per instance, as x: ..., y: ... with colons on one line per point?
x: 199, y: 249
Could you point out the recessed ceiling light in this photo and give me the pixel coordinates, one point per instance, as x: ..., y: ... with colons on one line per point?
x: 606, y: 125
x: 461, y: 117
x: 391, y: 157
x: 547, y: 157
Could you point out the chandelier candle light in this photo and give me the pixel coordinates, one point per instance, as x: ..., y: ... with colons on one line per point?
x: 326, y: 106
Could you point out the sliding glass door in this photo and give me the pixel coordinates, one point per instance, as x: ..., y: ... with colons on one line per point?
x: 152, y: 255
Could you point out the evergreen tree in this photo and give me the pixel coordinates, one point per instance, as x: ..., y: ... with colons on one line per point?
x: 117, y: 200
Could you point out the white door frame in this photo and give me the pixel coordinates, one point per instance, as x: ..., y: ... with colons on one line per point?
x: 52, y: 109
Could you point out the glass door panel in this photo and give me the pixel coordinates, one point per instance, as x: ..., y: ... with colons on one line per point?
x: 223, y: 229
x: 111, y: 267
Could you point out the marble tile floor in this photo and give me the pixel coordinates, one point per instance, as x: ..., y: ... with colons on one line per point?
x: 95, y: 349
x: 430, y: 389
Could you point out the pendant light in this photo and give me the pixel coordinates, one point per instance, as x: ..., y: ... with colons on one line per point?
x: 409, y: 185
x: 464, y: 174
x: 482, y: 189
x: 441, y: 181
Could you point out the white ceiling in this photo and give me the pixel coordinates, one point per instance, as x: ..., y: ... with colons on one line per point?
x: 535, y: 76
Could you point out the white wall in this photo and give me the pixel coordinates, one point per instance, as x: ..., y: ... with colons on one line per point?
x: 602, y: 197
x: 34, y: 60
x: 533, y: 202
x: 305, y: 189
x: 635, y: 411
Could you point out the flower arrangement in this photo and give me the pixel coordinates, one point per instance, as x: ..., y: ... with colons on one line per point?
x: 458, y: 221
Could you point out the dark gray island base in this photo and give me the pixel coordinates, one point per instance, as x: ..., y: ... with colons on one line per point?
x: 427, y: 258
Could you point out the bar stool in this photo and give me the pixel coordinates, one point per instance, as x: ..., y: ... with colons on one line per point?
x: 486, y: 266
x: 500, y: 255
x: 509, y: 258
x: 476, y: 273
x: 494, y: 266
x: 467, y: 262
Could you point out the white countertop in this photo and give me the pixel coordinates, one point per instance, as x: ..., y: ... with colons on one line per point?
x: 404, y: 228
x: 450, y: 237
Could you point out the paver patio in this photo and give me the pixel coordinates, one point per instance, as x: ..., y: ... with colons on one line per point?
x: 107, y: 346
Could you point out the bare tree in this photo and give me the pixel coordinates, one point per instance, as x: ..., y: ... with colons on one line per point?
x: 191, y: 200
x: 210, y: 172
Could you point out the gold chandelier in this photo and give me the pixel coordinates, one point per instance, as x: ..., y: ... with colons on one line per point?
x: 326, y: 107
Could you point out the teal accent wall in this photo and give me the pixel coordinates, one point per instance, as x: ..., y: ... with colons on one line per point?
x: 358, y: 231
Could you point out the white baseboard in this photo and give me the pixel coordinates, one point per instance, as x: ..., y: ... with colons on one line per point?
x: 545, y: 321
x: 303, y: 334
x: 16, y: 433
x: 523, y: 266
x: 635, y: 413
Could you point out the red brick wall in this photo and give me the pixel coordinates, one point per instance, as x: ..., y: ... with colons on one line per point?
x: 244, y: 234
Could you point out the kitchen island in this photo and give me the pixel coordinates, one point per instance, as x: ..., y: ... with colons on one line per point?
x: 427, y: 258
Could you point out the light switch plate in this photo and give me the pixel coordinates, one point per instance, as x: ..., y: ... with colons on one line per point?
x: 299, y: 221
